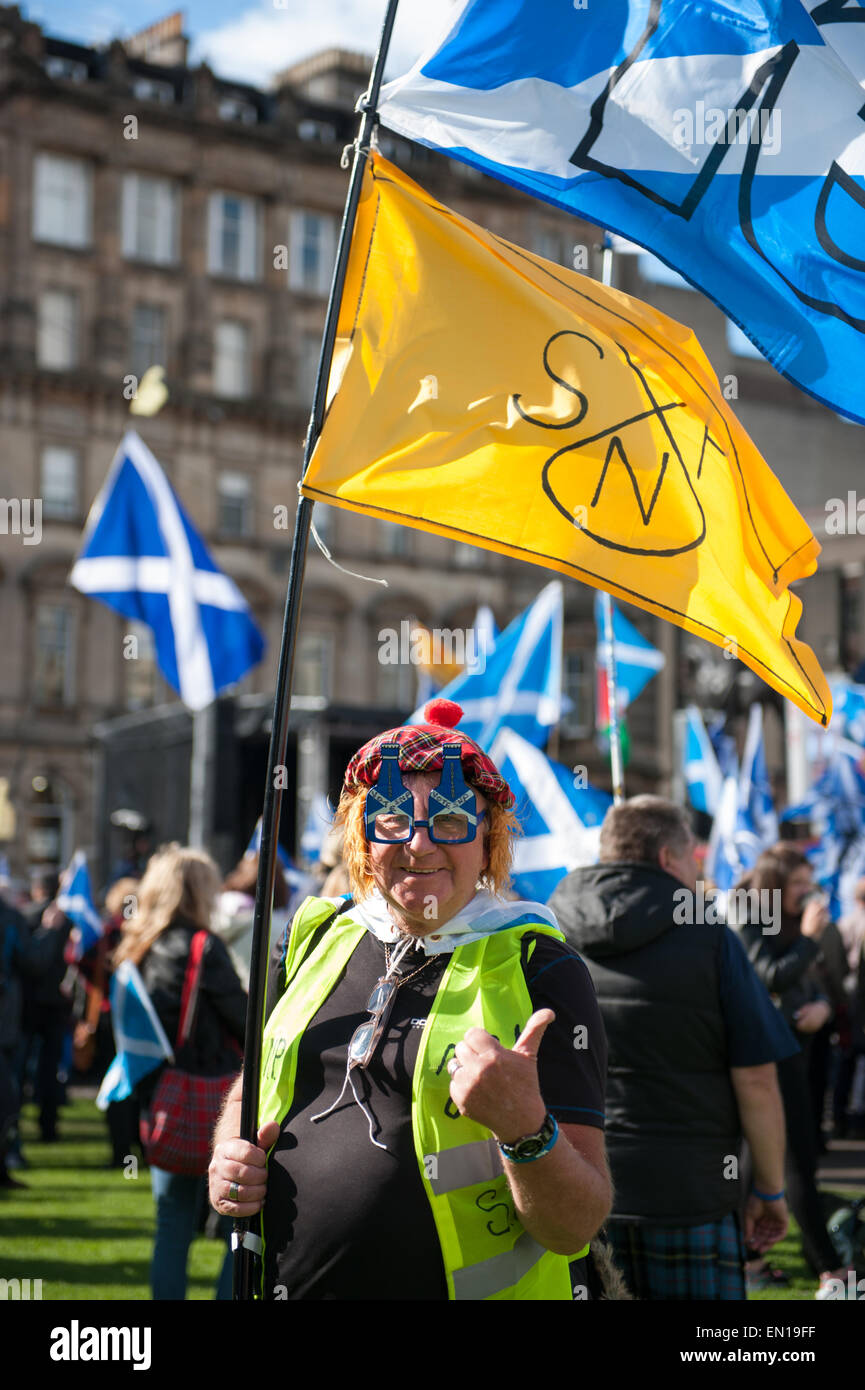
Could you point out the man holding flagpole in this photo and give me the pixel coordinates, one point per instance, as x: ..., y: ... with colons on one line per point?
x: 433, y: 1062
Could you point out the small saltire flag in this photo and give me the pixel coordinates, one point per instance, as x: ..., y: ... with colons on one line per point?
x: 591, y: 437
x: 560, y: 816
x: 848, y: 700
x: 725, y: 138
x: 75, y: 899
x: 755, y: 789
x: 637, y: 661
x: 138, y: 1035
x: 745, y: 823
x: 520, y: 685
x: 142, y: 556
x: 702, y: 772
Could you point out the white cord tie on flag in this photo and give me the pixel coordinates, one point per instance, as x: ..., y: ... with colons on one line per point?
x: 327, y: 555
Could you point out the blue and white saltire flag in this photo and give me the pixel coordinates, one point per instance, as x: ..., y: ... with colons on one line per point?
x: 745, y: 823
x: 142, y: 556
x: 138, y: 1036
x: 560, y: 816
x: 637, y: 661
x: 520, y: 686
x: 725, y: 138
x: 702, y: 772
x: 75, y: 900
x: 734, y: 844
x: 755, y: 789
x: 848, y: 709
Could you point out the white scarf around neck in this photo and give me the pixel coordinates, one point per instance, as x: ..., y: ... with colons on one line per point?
x: 481, y: 916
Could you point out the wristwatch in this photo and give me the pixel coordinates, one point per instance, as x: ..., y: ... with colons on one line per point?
x: 532, y: 1146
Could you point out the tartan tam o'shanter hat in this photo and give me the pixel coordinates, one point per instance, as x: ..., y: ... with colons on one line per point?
x: 420, y: 750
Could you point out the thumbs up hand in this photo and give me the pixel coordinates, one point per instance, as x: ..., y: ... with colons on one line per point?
x: 498, y: 1086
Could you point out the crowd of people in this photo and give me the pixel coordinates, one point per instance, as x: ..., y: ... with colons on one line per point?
x: 575, y: 1100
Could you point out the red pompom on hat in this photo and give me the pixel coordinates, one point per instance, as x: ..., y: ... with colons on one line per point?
x: 446, y: 713
x: 420, y: 750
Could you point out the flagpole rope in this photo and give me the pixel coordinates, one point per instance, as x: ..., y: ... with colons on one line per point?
x: 246, y: 1263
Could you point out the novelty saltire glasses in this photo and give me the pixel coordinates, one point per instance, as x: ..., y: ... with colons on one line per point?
x: 453, y: 815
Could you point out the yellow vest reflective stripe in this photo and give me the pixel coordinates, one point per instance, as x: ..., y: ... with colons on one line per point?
x: 486, y: 1253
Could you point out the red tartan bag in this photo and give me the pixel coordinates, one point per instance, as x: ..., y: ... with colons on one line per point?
x: 177, y: 1131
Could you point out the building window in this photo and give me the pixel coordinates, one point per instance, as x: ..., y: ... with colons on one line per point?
x: 61, y: 201
x: 579, y: 686
x: 139, y: 667
x: 236, y: 109
x: 235, y: 504
x: 322, y: 520
x: 66, y: 69
x: 59, y: 483
x: 468, y: 557
x: 150, y: 218
x: 231, y: 365
x: 394, y: 538
x: 233, y: 236
x: 307, y: 366
x: 396, y: 682
x: 148, y: 338
x: 321, y: 131
x: 57, y: 330
x: 151, y: 89
x: 312, y: 252
x: 655, y: 272
x: 740, y: 344
x: 53, y: 672
x: 547, y: 244
x: 313, y: 668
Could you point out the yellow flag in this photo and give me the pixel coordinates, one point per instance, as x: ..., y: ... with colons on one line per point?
x: 484, y: 393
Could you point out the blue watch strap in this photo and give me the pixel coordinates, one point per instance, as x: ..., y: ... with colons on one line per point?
x: 512, y: 1158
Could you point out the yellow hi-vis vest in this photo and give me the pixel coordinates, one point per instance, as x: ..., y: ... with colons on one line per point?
x: 486, y: 1252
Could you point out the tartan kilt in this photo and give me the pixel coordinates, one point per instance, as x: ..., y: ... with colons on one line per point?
x: 177, y: 1129
x: 704, y: 1262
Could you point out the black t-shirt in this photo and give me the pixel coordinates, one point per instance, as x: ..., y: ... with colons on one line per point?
x: 345, y: 1219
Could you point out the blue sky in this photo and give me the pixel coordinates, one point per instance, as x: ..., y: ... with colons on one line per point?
x: 252, y: 39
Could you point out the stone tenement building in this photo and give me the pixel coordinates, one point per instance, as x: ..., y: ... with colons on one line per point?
x: 151, y: 212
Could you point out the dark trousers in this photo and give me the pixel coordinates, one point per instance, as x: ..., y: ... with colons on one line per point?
x: 803, y: 1198
x: 50, y: 1027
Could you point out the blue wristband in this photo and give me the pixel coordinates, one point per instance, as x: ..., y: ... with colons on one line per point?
x: 768, y: 1196
x: 540, y: 1153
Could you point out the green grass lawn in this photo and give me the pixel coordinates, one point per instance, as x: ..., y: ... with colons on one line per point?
x: 84, y: 1229
x: 787, y: 1255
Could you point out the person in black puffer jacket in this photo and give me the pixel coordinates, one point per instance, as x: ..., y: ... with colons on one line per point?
x: 175, y: 900
x: 693, y: 1043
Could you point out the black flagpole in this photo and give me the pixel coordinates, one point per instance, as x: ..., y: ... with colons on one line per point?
x: 246, y: 1244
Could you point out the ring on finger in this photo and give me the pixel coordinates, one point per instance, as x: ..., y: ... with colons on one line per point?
x: 453, y: 1066
x: 233, y: 1192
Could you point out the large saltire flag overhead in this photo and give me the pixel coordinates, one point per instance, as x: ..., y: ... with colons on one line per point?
x: 483, y: 393
x: 726, y: 138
